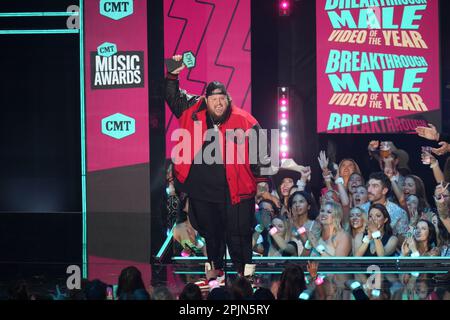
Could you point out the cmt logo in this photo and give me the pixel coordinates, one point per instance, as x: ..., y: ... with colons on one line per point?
x: 107, y: 49
x: 118, y: 126
x: 116, y: 9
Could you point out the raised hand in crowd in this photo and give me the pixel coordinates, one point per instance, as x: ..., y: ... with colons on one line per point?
x: 445, y: 148
x: 306, y: 174
x: 429, y: 132
x: 262, y: 193
x: 373, y: 145
x: 428, y: 159
x: 323, y: 161
x: 440, y: 191
x: 313, y: 268
x: 441, y: 196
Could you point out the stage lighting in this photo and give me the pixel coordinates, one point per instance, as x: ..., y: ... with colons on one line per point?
x: 284, y: 7
x: 283, y: 119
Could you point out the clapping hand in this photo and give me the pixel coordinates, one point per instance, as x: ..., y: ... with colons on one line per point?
x: 405, y: 248
x: 445, y: 147
x: 429, y: 132
x: 313, y: 239
x: 372, y: 227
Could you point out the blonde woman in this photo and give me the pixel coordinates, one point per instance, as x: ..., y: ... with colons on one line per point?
x: 347, y: 167
x: 280, y: 241
x: 358, y: 224
x: 333, y: 241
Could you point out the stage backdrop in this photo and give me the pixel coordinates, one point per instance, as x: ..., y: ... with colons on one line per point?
x: 118, y: 191
x: 218, y: 33
x: 377, y: 66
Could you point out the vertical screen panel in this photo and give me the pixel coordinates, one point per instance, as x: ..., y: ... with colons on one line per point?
x: 377, y: 66
x: 40, y: 99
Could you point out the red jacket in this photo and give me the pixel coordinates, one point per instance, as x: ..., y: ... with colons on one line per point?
x: 240, y: 178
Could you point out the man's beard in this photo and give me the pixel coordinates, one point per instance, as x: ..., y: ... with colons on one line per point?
x: 220, y: 119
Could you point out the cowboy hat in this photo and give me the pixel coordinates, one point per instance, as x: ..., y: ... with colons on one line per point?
x: 288, y: 169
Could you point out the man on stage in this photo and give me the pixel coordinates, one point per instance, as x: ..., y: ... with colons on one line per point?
x: 222, y: 193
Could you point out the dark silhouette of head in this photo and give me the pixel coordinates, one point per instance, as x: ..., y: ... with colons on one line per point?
x: 292, y: 283
x: 242, y: 289
x: 130, y: 281
x: 191, y: 292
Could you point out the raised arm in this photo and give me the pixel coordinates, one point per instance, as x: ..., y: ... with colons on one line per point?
x: 440, y: 195
x: 323, y: 162
x: 284, y: 245
x: 372, y: 148
x: 388, y: 249
x: 177, y: 99
x: 397, y: 191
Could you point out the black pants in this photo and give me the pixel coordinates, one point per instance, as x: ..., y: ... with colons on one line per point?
x: 225, y: 224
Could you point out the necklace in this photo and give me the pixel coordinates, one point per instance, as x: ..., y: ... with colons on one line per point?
x: 216, y: 125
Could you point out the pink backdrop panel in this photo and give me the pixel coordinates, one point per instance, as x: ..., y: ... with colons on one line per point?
x: 218, y: 33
